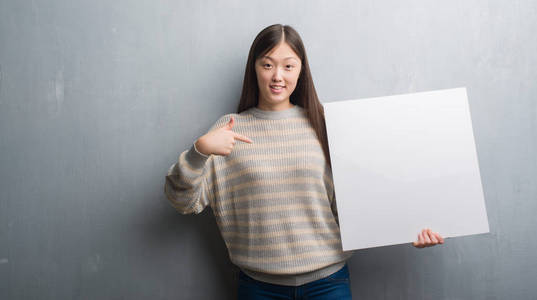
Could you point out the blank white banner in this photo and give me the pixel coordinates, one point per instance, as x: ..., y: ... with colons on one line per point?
x: 403, y: 163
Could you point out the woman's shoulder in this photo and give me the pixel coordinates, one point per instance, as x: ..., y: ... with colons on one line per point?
x: 224, y: 119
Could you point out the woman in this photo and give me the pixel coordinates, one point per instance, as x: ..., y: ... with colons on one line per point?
x: 272, y: 192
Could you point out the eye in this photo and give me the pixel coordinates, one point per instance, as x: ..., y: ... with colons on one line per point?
x: 290, y: 66
x: 265, y: 65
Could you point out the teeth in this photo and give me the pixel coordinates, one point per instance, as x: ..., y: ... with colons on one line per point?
x: 276, y: 87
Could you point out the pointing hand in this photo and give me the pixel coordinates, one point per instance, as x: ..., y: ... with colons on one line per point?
x: 220, y: 141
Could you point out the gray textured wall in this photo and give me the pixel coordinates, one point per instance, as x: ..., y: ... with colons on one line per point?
x: 98, y: 98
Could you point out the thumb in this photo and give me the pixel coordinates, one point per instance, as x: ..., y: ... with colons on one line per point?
x: 230, y: 124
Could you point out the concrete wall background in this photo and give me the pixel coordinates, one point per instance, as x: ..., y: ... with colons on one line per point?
x: 98, y: 98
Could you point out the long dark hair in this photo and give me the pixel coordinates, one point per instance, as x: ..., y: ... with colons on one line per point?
x: 304, y: 94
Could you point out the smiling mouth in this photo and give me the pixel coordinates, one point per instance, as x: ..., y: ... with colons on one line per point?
x: 277, y: 87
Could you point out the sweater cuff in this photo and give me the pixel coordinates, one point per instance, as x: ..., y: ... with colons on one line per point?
x: 195, y: 158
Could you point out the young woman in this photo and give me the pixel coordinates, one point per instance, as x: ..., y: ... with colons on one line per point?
x: 266, y: 173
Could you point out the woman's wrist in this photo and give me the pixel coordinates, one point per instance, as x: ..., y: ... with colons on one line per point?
x: 199, y: 147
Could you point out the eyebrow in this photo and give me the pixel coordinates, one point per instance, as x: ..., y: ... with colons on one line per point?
x: 290, y: 57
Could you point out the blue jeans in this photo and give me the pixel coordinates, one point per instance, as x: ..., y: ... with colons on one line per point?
x: 335, y: 286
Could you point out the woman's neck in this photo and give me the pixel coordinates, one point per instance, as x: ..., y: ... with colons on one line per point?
x: 275, y: 107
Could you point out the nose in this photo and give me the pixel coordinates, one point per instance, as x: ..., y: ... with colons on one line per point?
x: 277, y: 76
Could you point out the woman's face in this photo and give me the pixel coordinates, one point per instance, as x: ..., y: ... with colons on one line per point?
x: 277, y: 74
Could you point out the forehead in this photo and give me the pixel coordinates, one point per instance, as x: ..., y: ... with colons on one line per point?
x: 281, y: 52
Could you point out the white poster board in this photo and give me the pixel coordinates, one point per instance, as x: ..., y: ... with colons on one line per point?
x: 403, y: 163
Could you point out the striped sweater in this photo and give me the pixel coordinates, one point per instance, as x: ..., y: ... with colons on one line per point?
x: 273, y: 199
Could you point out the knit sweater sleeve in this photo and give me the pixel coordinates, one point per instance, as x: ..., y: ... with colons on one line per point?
x: 331, y: 191
x: 333, y: 206
x: 188, y: 184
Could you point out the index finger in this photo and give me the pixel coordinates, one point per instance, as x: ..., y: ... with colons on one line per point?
x: 243, y: 138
